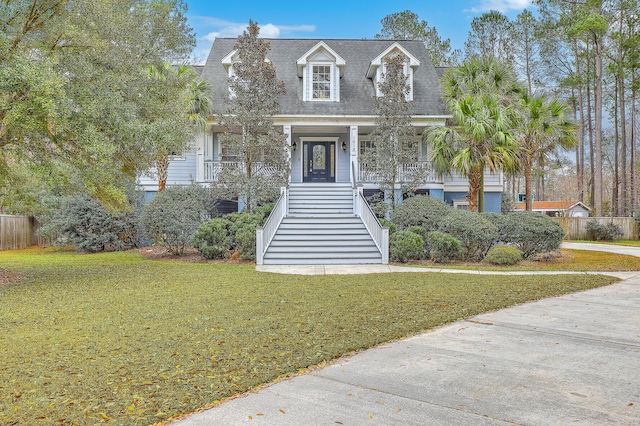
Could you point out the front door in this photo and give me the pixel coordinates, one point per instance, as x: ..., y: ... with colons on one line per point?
x: 318, y: 162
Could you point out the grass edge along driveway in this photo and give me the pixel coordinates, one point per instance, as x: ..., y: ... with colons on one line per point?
x: 87, y: 339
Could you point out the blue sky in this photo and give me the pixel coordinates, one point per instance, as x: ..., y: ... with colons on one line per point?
x: 334, y: 19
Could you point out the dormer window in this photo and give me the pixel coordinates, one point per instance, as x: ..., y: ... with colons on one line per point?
x: 322, y: 78
x: 321, y: 68
x: 377, y: 67
x: 229, y: 63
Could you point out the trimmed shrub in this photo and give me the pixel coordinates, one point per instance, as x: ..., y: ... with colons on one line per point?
x: 500, y: 221
x: 418, y: 230
x: 235, y: 232
x: 420, y: 210
x: 85, y: 222
x: 212, y: 238
x: 404, y: 246
x: 603, y: 232
x: 443, y: 247
x: 423, y: 233
x: 379, y: 207
x: 173, y: 216
x: 503, y: 255
x: 475, y: 233
x: 392, y: 227
x: 531, y: 232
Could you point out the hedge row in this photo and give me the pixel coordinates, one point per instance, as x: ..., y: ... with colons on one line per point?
x: 449, y: 234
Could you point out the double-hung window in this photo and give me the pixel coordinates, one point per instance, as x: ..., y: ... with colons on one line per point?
x: 322, y: 82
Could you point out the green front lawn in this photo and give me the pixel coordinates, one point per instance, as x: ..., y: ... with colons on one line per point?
x: 114, y: 337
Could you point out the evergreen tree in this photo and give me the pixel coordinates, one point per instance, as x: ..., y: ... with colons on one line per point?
x: 407, y: 26
x: 77, y: 106
x: 394, y: 156
x: 490, y: 37
x: 261, y: 152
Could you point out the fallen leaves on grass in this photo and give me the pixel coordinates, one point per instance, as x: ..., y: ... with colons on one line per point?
x: 9, y: 277
x: 118, y: 338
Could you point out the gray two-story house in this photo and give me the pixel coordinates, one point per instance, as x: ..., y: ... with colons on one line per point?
x: 328, y: 115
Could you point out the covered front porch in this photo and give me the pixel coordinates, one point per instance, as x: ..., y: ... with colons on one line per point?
x: 319, y: 153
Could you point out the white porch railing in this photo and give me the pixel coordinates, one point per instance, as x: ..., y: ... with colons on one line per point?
x: 264, y: 234
x: 405, y: 171
x: 361, y: 207
x: 212, y: 169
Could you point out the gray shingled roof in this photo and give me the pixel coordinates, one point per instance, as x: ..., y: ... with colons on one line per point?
x: 356, y: 90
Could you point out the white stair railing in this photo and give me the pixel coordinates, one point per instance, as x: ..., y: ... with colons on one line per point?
x: 379, y: 233
x: 264, y: 234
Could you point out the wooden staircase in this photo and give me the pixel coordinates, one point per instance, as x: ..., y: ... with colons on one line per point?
x: 321, y: 228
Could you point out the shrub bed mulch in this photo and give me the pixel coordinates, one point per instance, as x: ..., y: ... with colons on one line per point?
x: 190, y: 255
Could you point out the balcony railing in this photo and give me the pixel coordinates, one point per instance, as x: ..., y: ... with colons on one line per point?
x: 405, y: 171
x: 212, y: 169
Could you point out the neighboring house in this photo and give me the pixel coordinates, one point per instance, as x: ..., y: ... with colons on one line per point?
x: 328, y: 115
x: 558, y: 208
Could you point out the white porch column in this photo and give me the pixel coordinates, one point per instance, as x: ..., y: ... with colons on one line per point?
x: 201, y: 139
x: 353, y: 149
x: 286, y: 129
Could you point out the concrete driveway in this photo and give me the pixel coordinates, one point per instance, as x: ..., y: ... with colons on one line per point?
x: 569, y: 360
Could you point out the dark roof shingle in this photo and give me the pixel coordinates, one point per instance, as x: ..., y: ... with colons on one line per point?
x: 356, y: 90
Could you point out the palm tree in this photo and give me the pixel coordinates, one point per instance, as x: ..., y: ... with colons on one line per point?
x: 195, y: 103
x: 480, y: 95
x: 543, y: 125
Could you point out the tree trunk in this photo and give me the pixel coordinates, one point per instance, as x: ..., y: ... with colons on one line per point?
x: 591, y: 148
x: 528, y: 199
x: 616, y: 176
x: 622, y: 176
x: 481, y: 193
x: 598, y: 118
x: 162, y: 168
x: 634, y: 174
x: 474, y: 185
x: 580, y: 145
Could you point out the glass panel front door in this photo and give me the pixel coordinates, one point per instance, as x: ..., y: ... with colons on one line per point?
x: 319, y: 162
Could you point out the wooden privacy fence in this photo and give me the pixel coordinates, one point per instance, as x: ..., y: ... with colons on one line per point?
x: 17, y: 232
x: 576, y: 227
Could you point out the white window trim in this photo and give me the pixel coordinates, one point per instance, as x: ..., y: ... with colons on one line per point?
x: 307, y: 81
x: 408, y: 71
x: 457, y: 204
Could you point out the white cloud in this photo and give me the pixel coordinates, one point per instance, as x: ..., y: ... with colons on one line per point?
x: 221, y: 28
x: 213, y: 27
x: 269, y: 31
x: 500, y: 5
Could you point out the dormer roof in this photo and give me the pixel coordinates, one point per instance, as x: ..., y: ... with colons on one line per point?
x: 395, y: 47
x: 321, y: 51
x: 228, y: 60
